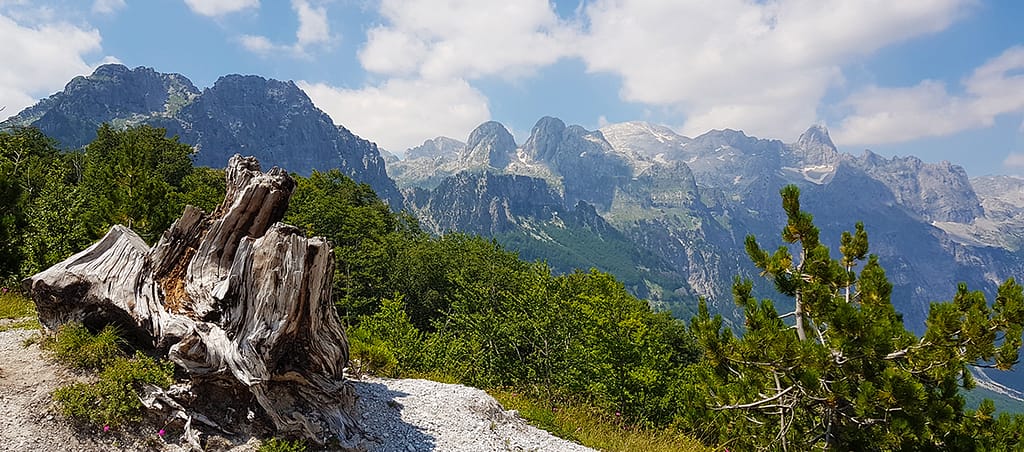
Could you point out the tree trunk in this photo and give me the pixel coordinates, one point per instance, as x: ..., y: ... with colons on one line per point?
x: 238, y: 300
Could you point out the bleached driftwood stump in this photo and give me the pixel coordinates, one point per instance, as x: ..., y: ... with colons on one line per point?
x: 237, y: 299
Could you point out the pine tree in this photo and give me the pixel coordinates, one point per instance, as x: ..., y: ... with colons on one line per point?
x: 841, y: 371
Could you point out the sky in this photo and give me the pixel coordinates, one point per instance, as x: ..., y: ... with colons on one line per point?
x: 938, y: 79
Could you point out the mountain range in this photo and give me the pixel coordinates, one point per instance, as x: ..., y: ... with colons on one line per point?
x: 666, y: 214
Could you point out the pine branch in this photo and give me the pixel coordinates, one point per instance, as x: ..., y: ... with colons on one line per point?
x: 760, y: 403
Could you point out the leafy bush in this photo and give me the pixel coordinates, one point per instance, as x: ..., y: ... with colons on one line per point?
x: 369, y: 355
x: 113, y: 399
x: 76, y: 347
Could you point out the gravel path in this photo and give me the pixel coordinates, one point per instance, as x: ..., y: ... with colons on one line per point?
x: 398, y: 415
x: 28, y: 421
x: 422, y: 415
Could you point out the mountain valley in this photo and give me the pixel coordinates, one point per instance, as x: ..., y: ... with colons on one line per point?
x: 666, y: 214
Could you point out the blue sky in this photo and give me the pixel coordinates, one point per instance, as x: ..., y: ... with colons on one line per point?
x: 940, y: 79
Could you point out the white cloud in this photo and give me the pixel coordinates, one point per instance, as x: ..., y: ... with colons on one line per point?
x: 107, y: 6
x: 400, y: 113
x: 40, y: 59
x: 313, y: 30
x: 759, y: 66
x: 1014, y: 160
x: 892, y: 115
x: 428, y: 52
x: 465, y: 38
x: 213, y: 8
x: 258, y: 44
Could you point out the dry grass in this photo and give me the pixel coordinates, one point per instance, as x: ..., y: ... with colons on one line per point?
x: 588, y: 427
x: 17, y: 312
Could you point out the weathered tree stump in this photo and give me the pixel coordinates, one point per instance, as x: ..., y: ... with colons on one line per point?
x: 238, y: 300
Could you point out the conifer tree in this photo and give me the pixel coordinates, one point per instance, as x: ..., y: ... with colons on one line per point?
x: 841, y: 371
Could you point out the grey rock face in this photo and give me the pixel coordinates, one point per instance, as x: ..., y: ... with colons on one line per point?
x: 489, y: 145
x: 644, y: 140
x: 272, y: 120
x: 815, y: 147
x: 436, y: 148
x: 485, y: 203
x: 113, y: 93
x: 934, y: 191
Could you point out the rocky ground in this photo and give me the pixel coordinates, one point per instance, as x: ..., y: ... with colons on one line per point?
x: 398, y: 415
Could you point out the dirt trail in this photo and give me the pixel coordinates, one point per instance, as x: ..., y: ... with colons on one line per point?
x: 397, y: 415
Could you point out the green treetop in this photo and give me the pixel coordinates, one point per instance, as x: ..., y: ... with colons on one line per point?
x: 844, y: 372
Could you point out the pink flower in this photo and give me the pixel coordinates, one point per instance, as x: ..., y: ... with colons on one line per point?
x: 106, y: 428
x: 161, y: 432
x: 618, y: 413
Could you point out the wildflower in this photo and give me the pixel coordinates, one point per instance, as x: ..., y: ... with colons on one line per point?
x: 5, y: 290
x: 106, y: 428
x: 618, y: 413
x: 161, y: 433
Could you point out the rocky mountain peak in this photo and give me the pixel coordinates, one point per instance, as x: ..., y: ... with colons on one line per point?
x: 645, y: 139
x: 544, y: 139
x: 490, y: 144
x: 243, y: 92
x: 112, y: 93
x: 715, y: 139
x: 933, y: 191
x: 816, y: 136
x: 815, y: 147
x: 436, y: 148
x: 273, y: 120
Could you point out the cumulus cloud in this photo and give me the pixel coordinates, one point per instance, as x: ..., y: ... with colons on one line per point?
x: 760, y: 66
x: 401, y: 113
x: 107, y: 6
x: 258, y: 44
x: 214, y: 8
x: 428, y: 52
x: 1014, y: 161
x: 763, y: 67
x: 465, y: 38
x: 313, y: 30
x: 892, y: 115
x: 40, y: 59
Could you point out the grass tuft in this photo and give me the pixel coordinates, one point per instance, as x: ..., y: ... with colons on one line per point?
x: 14, y: 305
x: 17, y: 312
x: 587, y: 426
x: 281, y: 445
x: 75, y: 346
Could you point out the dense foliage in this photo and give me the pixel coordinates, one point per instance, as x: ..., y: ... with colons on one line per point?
x: 841, y: 371
x: 845, y: 372
x: 55, y: 203
x: 463, y: 308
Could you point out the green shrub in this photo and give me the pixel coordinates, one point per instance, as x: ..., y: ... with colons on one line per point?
x: 113, y: 399
x: 75, y: 346
x: 281, y: 445
x: 370, y: 355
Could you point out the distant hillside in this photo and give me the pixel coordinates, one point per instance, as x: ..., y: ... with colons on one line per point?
x: 677, y: 209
